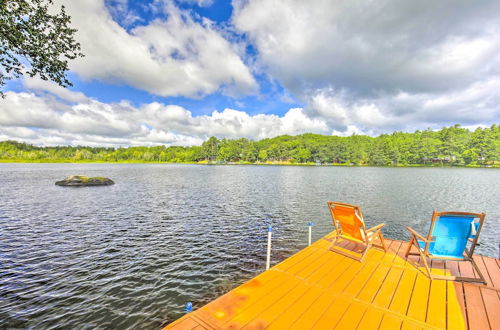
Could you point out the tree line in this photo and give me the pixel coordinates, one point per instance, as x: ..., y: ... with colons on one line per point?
x: 454, y: 146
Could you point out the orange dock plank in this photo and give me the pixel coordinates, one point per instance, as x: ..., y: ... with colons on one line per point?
x: 318, y: 288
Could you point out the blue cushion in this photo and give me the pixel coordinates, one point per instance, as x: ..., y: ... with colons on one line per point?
x: 450, y: 236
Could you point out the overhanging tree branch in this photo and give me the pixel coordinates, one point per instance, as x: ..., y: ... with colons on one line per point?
x: 35, y: 42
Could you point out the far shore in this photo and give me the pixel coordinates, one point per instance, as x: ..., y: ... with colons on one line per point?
x: 268, y: 163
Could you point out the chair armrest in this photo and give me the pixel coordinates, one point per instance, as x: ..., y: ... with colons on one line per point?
x: 472, y: 240
x: 377, y: 227
x: 417, y: 235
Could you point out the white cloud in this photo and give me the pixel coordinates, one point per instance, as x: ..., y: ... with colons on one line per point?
x: 201, y: 3
x: 43, y: 119
x: 473, y: 106
x: 383, y: 45
x: 378, y: 66
x: 50, y: 117
x: 364, y: 68
x: 36, y: 83
x: 175, y: 56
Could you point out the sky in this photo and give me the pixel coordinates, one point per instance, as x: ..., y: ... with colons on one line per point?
x: 175, y: 72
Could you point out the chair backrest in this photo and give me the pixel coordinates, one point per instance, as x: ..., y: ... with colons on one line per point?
x: 349, y: 218
x: 450, y: 232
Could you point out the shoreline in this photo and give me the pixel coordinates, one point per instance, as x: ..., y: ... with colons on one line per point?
x: 280, y: 163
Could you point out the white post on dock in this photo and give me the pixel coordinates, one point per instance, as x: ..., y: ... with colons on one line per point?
x: 310, y: 224
x: 269, y: 235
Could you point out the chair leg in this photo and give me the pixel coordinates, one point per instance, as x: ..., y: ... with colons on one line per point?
x: 427, y: 268
x: 332, y: 248
x: 378, y: 234
x: 368, y: 246
x: 422, y: 256
x: 408, y: 249
x: 481, y: 278
x: 381, y: 237
x: 477, y: 270
x: 334, y: 240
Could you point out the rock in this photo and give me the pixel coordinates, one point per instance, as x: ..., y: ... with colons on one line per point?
x: 84, y: 181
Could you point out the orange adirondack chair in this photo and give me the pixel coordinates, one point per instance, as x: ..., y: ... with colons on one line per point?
x: 349, y: 225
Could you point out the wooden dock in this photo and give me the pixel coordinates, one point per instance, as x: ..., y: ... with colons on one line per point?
x: 320, y: 289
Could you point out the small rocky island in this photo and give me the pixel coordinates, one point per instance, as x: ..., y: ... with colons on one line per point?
x: 84, y: 181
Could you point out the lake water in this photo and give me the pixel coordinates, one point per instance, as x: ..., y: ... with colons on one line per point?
x: 132, y: 254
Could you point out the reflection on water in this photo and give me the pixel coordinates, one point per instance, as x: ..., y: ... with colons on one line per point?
x: 134, y: 253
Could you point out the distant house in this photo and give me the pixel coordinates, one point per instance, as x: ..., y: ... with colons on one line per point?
x: 446, y: 159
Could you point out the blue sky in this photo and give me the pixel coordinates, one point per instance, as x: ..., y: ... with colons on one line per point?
x: 176, y: 72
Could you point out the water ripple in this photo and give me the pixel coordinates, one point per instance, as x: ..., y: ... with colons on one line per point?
x: 131, y: 255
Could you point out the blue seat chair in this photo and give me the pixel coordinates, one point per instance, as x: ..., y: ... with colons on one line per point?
x: 449, y: 235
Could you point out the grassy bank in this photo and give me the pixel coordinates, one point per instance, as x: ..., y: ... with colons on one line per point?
x: 268, y: 163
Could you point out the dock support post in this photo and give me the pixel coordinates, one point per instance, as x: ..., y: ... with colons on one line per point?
x: 310, y: 224
x: 269, y: 235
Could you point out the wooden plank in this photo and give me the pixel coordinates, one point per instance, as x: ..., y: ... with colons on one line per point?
x: 482, y: 267
x: 419, y: 298
x: 402, y: 296
x: 493, y: 271
x: 309, y: 317
x: 358, y: 282
x: 492, y: 304
x: 371, y: 319
x: 348, y: 268
x: 352, y: 316
x: 387, y: 291
x: 400, y: 258
x: 476, y: 311
x: 328, y: 280
x: 344, y: 271
x: 245, y: 316
x: 224, y: 308
x: 301, y: 307
x: 277, y: 307
x: 317, y: 288
x: 199, y: 328
x: 457, y: 315
x: 436, y: 307
x: 368, y: 292
x: 466, y: 269
x: 390, y: 322
x: 332, y: 314
x: 311, y: 259
x: 407, y: 325
x: 397, y: 249
x: 385, y: 294
x: 316, y: 265
x: 297, y: 257
x: 184, y: 323
x: 257, y: 308
x: 376, y: 280
x: 351, y: 274
x: 392, y: 250
x: 336, y: 265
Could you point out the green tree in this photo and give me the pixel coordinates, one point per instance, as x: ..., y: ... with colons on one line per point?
x: 302, y: 155
x: 35, y: 42
x: 263, y: 155
x: 210, y: 148
x: 481, y: 147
